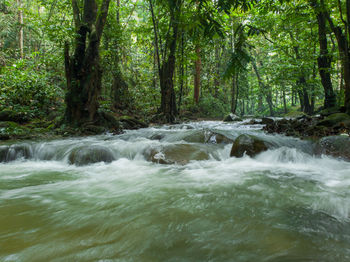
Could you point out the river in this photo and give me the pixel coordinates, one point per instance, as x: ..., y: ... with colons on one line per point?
x: 282, y: 205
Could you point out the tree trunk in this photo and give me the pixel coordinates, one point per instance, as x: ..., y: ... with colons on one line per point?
x: 284, y: 101
x: 166, y: 66
x: 197, y: 74
x: 260, y: 101
x: 293, y: 97
x: 343, y: 47
x: 20, y: 33
x: 83, y: 71
x: 324, y: 60
x: 243, y: 107
x: 301, y: 100
x: 264, y: 89
x: 120, y: 89
x: 234, y: 95
x: 217, y: 71
x: 304, y: 96
x: 181, y: 72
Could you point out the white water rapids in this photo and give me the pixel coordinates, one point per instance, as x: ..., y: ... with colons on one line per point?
x: 283, y: 205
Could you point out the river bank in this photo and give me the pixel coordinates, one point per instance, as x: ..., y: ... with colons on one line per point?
x: 172, y: 192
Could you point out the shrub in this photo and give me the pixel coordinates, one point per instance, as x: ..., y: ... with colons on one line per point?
x: 27, y: 88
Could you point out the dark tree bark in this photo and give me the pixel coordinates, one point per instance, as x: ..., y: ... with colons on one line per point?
x: 343, y: 46
x: 304, y: 96
x: 83, y: 71
x: 217, y: 71
x: 284, y: 101
x: 197, y: 73
x: 301, y: 83
x: 182, y: 72
x: 120, y: 89
x: 264, y: 89
x: 166, y: 63
x: 234, y: 94
x: 324, y: 60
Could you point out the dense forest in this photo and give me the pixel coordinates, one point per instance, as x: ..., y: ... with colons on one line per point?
x: 85, y: 62
x: 174, y: 130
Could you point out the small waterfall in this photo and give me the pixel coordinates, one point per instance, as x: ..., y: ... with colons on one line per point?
x: 172, y: 193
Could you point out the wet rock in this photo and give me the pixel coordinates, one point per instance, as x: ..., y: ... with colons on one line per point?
x: 311, y: 126
x: 109, y: 121
x: 195, y: 136
x: 330, y: 111
x: 248, y: 144
x: 216, y: 138
x: 14, y: 152
x: 267, y: 121
x: 93, y: 130
x: 4, y: 136
x: 337, y: 146
x: 253, y: 122
x: 334, y: 119
x: 131, y: 123
x: 90, y: 154
x: 177, y: 154
x: 3, y: 153
x: 157, y: 137
x: 231, y: 118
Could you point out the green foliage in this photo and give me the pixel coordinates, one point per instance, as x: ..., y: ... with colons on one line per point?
x: 209, y: 106
x: 28, y: 88
x: 230, y: 33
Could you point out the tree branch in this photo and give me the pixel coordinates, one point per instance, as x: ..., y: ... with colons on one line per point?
x: 76, y: 14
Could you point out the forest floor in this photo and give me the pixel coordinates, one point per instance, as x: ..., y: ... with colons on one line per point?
x: 14, y: 127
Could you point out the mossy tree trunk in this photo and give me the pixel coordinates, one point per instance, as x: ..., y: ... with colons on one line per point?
x: 325, y: 59
x: 83, y: 71
x: 343, y: 44
x: 166, y: 58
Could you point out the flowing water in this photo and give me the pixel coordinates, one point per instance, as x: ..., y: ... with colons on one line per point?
x: 282, y: 205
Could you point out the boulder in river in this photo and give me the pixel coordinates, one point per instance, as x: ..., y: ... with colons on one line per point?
x: 267, y: 121
x: 232, y: 118
x: 3, y: 153
x: 248, y: 144
x: 177, y: 154
x: 334, y: 119
x: 14, y: 152
x: 217, y: 138
x: 131, y: 123
x: 337, y: 146
x: 90, y: 154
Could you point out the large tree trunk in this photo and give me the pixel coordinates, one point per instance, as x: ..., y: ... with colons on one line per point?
x: 197, y: 74
x: 324, y: 60
x: 182, y: 72
x: 304, y: 96
x: 168, y: 100
x: 83, y: 71
x: 343, y: 47
x: 166, y: 65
